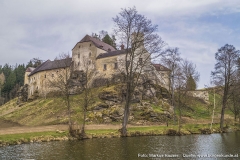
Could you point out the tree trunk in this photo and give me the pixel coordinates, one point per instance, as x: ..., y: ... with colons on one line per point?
x: 222, y: 118
x: 125, y: 121
x: 180, y: 113
x: 224, y: 102
x: 126, y: 111
x: 84, y: 119
x: 69, y: 115
x: 86, y: 100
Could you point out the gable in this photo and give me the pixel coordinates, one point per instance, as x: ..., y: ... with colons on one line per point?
x: 99, y: 44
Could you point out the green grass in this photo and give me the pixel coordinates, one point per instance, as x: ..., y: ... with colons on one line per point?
x: 12, y: 138
x: 157, y: 109
x: 101, y: 131
x: 132, y: 131
x: 54, y: 111
x: 147, y: 128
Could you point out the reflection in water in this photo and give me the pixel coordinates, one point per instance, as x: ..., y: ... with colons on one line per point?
x: 128, y: 148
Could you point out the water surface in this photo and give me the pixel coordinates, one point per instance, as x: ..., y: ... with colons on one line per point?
x: 147, y: 147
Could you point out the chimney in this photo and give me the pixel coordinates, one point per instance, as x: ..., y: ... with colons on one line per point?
x: 122, y: 47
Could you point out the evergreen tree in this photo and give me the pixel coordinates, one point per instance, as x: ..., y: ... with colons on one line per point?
x: 34, y: 62
x: 30, y: 64
x: 7, y: 69
x: 104, y: 36
x: 20, y: 71
x: 111, y: 41
x: 191, y: 84
x: 10, y: 82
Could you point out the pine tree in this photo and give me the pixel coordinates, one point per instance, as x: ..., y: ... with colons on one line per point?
x: 191, y: 84
x: 111, y: 41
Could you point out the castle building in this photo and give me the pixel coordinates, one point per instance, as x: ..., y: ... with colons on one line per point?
x: 90, y: 54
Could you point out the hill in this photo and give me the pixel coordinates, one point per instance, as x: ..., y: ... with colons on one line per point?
x: 106, y: 108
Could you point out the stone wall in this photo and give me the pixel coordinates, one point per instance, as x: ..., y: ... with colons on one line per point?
x: 84, y: 55
x: 40, y: 81
x: 203, y: 94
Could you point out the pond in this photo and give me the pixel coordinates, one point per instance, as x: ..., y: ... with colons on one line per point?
x: 214, y: 146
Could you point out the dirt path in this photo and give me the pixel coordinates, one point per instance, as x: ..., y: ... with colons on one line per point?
x: 24, y: 129
x: 8, y: 127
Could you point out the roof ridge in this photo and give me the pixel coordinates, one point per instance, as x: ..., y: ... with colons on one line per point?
x: 48, y: 65
x: 97, y: 42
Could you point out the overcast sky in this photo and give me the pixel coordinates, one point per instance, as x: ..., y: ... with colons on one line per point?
x: 46, y: 28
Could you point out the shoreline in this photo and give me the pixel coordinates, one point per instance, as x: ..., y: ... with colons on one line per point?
x: 60, y: 135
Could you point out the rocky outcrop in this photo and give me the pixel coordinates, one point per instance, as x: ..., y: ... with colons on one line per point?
x: 23, y: 94
x: 111, y: 110
x: 202, y: 94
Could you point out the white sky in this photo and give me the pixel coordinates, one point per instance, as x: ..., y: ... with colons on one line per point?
x: 46, y: 28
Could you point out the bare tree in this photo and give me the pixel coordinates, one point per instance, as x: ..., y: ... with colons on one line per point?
x: 225, y: 68
x: 234, y: 98
x: 171, y: 59
x: 59, y: 81
x: 190, y: 72
x: 137, y: 33
x: 87, y: 77
x: 180, y: 89
x: 182, y: 73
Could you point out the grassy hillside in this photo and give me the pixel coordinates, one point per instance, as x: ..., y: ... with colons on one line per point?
x: 53, y: 110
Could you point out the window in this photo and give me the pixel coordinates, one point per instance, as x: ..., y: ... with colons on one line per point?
x: 52, y: 75
x: 89, y: 62
x: 140, y: 61
x: 90, y: 45
x: 90, y: 54
x: 115, y: 65
x: 104, y: 67
x: 78, y: 63
x: 78, y: 55
x: 79, y: 46
x: 45, y: 76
